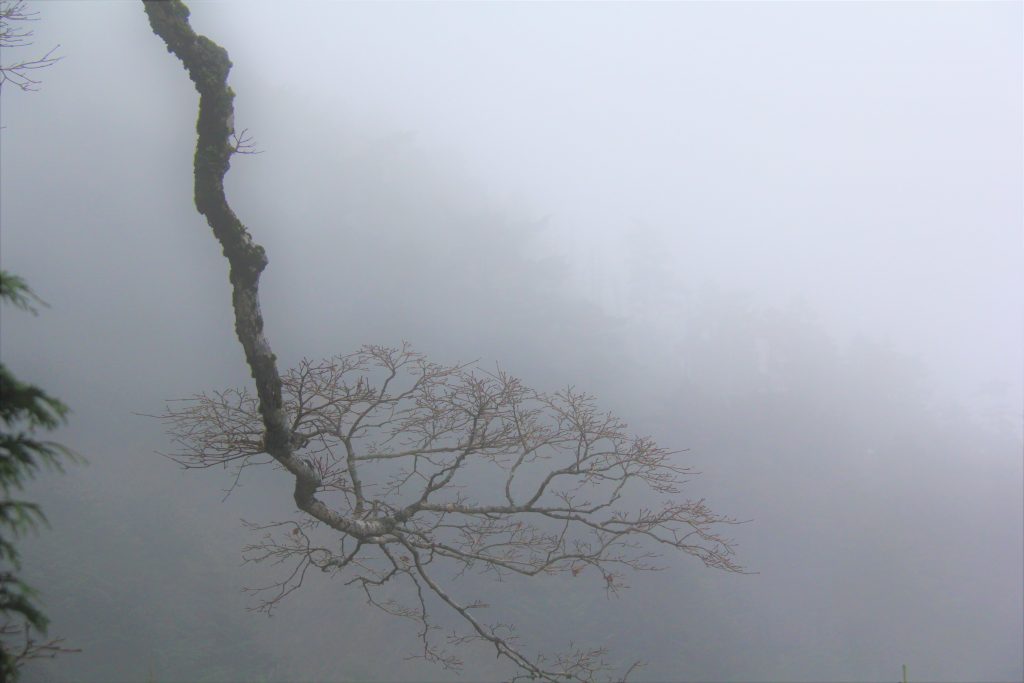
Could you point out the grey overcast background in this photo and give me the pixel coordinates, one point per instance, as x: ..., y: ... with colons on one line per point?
x: 784, y: 236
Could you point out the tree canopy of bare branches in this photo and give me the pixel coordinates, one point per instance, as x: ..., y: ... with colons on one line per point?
x: 401, y: 450
x: 421, y: 471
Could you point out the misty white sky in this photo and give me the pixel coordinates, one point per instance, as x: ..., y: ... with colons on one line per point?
x: 852, y: 171
x: 862, y: 157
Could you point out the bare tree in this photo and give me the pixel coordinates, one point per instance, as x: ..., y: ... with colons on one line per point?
x: 399, y: 448
x: 390, y: 453
x: 13, y: 34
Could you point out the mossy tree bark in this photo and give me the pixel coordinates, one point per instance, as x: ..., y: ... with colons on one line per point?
x: 208, y: 65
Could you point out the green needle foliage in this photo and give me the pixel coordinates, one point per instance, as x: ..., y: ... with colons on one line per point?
x: 25, y: 410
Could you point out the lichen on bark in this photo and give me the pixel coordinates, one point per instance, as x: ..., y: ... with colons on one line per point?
x: 208, y: 66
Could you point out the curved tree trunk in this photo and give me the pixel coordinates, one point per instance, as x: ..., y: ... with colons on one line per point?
x: 208, y: 65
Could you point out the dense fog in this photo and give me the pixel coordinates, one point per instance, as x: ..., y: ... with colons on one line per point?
x: 783, y: 238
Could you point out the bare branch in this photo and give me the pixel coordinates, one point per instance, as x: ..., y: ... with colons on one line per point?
x: 13, y: 35
x: 21, y: 647
x: 243, y: 143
